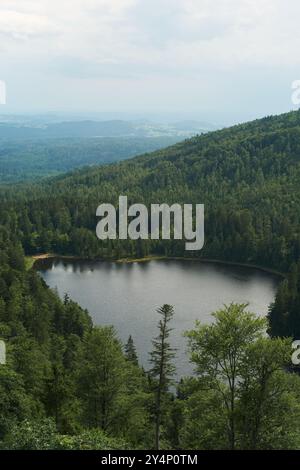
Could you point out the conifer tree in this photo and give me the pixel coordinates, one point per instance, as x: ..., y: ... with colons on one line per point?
x: 130, y: 351
x: 162, y: 367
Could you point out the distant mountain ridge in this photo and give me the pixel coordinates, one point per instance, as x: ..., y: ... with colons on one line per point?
x: 29, y: 159
x: 93, y: 129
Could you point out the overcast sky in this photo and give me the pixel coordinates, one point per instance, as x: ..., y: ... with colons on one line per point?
x: 220, y: 60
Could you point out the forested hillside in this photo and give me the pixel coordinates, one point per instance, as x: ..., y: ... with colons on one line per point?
x: 63, y: 376
x: 25, y: 160
x: 247, y: 176
x: 68, y: 384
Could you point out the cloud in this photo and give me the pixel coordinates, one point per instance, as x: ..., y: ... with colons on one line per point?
x: 157, y: 32
x: 18, y: 25
x: 155, y: 41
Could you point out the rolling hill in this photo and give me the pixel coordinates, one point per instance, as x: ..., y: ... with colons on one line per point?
x: 247, y: 176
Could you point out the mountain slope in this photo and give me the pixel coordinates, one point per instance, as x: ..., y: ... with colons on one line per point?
x: 247, y: 176
x: 24, y: 160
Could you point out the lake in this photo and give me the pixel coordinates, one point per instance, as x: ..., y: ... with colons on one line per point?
x: 126, y: 295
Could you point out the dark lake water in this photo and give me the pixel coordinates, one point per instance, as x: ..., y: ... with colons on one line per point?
x: 126, y: 295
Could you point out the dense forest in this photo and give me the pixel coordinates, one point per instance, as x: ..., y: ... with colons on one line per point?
x: 284, y: 314
x: 69, y: 384
x: 247, y: 177
x: 22, y: 160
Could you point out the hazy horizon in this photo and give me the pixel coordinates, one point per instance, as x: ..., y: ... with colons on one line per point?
x: 179, y: 58
x: 215, y: 121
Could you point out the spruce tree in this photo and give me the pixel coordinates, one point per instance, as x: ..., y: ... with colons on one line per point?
x: 130, y: 351
x: 162, y: 367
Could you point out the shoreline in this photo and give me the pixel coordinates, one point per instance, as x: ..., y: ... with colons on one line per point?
x: 31, y: 260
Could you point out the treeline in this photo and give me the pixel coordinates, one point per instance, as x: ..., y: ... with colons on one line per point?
x: 70, y: 385
x: 247, y: 177
x: 284, y: 313
x: 26, y: 160
x: 65, y: 380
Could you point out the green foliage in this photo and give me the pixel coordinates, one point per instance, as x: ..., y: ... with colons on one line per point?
x: 101, y: 377
x: 15, y: 403
x: 241, y: 385
x: 32, y: 435
x: 163, y: 369
x: 284, y: 313
x: 43, y: 435
x: 70, y: 385
x: 92, y: 439
x: 26, y: 160
x: 130, y: 351
x: 247, y: 176
x: 162, y: 355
